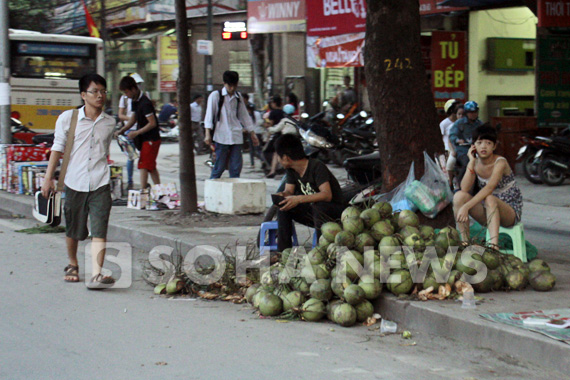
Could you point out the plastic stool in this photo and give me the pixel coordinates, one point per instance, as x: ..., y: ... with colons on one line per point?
x: 516, y: 233
x: 315, y: 239
x: 271, y: 229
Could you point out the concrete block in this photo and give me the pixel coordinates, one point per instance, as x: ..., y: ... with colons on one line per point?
x: 234, y: 196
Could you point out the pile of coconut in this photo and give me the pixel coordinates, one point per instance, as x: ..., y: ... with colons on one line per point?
x: 373, y: 249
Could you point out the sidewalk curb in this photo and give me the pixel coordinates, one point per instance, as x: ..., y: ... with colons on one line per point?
x: 416, y: 316
x: 503, y: 339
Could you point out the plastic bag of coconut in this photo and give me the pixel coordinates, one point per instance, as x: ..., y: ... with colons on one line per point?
x: 397, y: 197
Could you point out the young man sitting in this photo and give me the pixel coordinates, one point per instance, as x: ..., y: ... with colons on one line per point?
x: 312, y: 194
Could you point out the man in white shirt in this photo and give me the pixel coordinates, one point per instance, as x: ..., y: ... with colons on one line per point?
x: 87, y: 189
x: 227, y: 115
x: 196, y: 115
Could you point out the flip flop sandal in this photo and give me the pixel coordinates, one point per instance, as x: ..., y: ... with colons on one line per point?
x: 73, y: 272
x: 100, y: 282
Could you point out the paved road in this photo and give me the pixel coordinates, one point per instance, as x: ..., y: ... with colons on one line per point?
x: 50, y: 329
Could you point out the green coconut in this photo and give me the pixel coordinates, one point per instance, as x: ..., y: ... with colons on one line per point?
x: 339, y: 286
x: 321, y: 290
x: 491, y: 260
x: 381, y: 229
x: 353, y: 225
x: 174, y: 286
x: 300, y: 284
x: 516, y: 280
x: 538, y: 265
x: 371, y: 286
x: 369, y: 217
x: 354, y: 294
x: 408, y: 218
x: 486, y: 285
x: 416, y: 242
x: 542, y: 281
x: 160, y: 289
x: 384, y: 208
x: 292, y: 300
x: 270, y: 305
x: 330, y: 308
x: 364, y: 310
x: 454, y: 276
x: 285, y: 255
x: 344, y: 315
x: 431, y: 281
x: 313, y: 310
x: 258, y: 296
x: 394, y: 220
x: 404, y: 286
x: 447, y: 237
x: 345, y: 239
x: 427, y: 232
x: 389, y: 245
x: 251, y: 292
x: 498, y: 279
x: 350, y: 212
x: 363, y: 241
x: 316, y: 256
x: 409, y: 230
x: 323, y: 241
x: 330, y: 229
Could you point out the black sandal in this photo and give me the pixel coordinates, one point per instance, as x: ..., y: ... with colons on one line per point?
x: 71, y: 271
x: 100, y: 282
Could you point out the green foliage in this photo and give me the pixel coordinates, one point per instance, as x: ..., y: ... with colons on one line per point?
x: 31, y: 14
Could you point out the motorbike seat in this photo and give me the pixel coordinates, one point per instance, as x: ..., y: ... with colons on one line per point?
x: 364, y: 160
x: 361, y: 132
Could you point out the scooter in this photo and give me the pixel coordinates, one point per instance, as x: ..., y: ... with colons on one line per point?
x: 554, y: 160
x: 527, y: 154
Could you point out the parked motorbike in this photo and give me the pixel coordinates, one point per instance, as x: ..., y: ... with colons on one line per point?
x: 358, y: 138
x: 554, y: 160
x: 364, y: 169
x: 319, y: 139
x: 21, y: 134
x: 526, y: 155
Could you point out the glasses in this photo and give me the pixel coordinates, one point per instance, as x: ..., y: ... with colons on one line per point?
x: 97, y: 92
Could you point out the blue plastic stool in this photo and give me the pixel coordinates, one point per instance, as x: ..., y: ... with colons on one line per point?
x: 516, y: 233
x: 271, y: 229
x: 315, y: 239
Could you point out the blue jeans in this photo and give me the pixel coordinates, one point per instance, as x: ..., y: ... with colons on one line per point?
x: 230, y: 156
x: 130, y: 169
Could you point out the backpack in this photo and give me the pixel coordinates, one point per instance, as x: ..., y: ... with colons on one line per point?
x: 216, y: 117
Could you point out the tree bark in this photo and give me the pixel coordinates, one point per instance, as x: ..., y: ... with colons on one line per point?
x: 400, y: 95
x: 188, y: 193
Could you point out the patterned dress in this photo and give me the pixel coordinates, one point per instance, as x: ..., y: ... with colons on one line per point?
x: 507, y: 191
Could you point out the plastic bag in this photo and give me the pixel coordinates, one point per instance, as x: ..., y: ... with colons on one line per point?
x: 431, y: 193
x: 397, y: 197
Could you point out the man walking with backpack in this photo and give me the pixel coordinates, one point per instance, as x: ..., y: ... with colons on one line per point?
x: 226, y: 117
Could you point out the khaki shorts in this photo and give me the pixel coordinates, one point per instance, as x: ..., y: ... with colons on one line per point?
x: 81, y: 205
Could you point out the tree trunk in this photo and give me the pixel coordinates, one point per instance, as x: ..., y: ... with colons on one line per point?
x: 257, y: 55
x: 400, y: 95
x: 188, y: 193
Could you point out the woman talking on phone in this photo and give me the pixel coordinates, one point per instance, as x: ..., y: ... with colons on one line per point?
x: 499, y: 200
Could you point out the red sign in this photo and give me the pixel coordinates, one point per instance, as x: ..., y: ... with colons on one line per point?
x: 428, y: 7
x: 335, y: 17
x: 554, y: 13
x: 336, y: 51
x: 448, y: 66
x: 270, y: 16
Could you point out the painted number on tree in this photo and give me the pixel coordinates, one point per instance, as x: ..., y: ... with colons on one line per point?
x: 398, y: 64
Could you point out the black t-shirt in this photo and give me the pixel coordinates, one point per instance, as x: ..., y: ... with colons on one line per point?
x: 276, y: 115
x: 316, y: 174
x: 143, y: 107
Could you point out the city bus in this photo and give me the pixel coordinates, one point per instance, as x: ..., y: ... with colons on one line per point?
x: 45, y: 69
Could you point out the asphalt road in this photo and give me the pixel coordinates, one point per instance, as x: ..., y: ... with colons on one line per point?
x: 50, y: 329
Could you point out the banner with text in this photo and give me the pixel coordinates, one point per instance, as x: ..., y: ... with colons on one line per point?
x: 335, y: 17
x: 554, y: 13
x: 338, y: 51
x: 168, y: 63
x: 553, y: 81
x: 275, y: 16
x: 448, y: 66
x: 429, y: 7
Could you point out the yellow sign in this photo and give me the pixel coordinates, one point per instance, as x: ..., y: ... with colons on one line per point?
x: 41, y: 117
x: 168, y: 63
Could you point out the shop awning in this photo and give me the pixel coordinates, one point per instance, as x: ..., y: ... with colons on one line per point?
x: 482, y: 3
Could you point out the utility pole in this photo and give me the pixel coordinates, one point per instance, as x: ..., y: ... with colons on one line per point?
x: 208, y: 58
x: 188, y: 193
x: 104, y: 34
x: 6, y: 133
